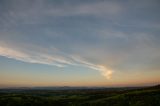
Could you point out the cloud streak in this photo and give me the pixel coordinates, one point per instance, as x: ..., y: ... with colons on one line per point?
x: 94, y: 8
x: 34, y: 58
x: 106, y: 72
x: 54, y: 60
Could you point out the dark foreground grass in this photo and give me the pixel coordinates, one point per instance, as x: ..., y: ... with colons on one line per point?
x: 101, y: 97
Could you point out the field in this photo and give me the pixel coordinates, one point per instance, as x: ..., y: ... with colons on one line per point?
x: 147, y: 96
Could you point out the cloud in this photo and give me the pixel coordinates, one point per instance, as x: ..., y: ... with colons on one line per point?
x: 106, y: 72
x: 35, y: 12
x: 93, y: 8
x: 51, y: 59
x: 33, y: 57
x: 106, y: 33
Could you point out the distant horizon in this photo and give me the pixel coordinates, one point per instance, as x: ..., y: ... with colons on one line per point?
x: 113, y: 86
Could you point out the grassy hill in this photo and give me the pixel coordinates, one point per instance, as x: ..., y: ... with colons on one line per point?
x: 149, y: 96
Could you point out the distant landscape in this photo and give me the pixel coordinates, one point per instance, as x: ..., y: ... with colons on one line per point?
x: 81, y: 96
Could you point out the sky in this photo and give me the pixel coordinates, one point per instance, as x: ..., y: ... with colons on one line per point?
x: 79, y: 43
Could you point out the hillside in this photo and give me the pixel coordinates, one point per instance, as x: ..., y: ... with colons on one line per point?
x: 149, y: 96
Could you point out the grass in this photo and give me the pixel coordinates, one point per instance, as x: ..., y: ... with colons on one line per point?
x: 137, y: 97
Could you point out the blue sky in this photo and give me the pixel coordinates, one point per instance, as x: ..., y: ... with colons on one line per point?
x: 79, y: 42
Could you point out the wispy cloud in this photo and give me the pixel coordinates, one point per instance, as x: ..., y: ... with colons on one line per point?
x: 102, y: 69
x: 39, y: 10
x: 32, y: 58
x: 51, y: 59
x: 100, y: 8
